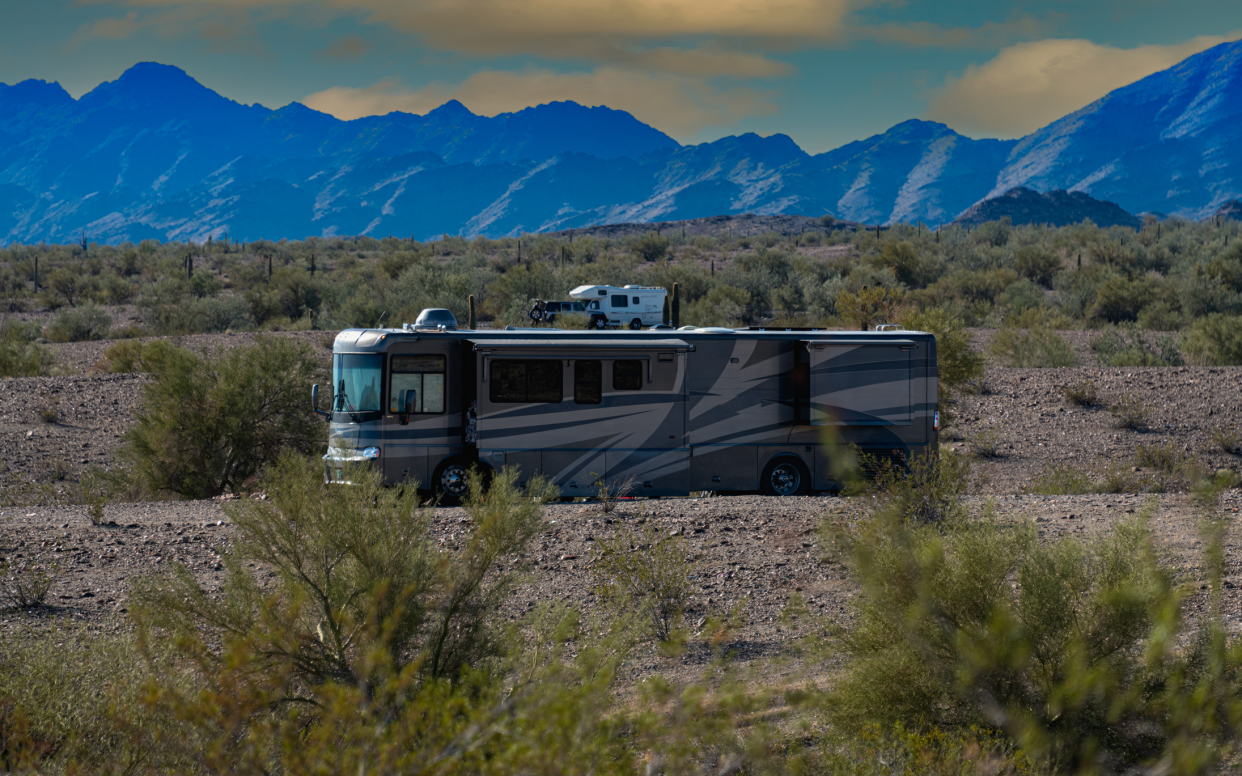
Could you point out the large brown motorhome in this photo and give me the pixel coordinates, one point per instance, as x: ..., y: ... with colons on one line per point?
x: 671, y: 412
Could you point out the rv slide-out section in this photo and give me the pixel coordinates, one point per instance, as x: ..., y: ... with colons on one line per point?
x: 714, y: 410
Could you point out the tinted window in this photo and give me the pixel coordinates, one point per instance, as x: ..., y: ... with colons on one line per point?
x: 422, y: 374
x: 588, y: 382
x: 356, y: 382
x: 627, y: 375
x: 525, y: 381
x: 620, y: 301
x: 635, y: 300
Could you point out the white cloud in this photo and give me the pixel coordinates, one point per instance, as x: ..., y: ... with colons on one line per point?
x: 678, y: 105
x: 1030, y: 85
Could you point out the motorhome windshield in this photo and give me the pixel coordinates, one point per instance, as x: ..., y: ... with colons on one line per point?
x: 356, y: 381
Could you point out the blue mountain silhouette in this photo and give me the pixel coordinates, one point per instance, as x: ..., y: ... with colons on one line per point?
x: 155, y: 154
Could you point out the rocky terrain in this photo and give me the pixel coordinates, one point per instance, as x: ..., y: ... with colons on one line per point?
x: 752, y: 553
x: 1059, y: 208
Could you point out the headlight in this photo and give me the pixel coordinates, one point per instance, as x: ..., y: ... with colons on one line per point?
x: 371, y: 452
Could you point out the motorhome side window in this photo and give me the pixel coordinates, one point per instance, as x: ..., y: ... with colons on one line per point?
x: 534, y: 380
x: 588, y: 382
x: 627, y: 375
x: 422, y: 374
x: 620, y: 301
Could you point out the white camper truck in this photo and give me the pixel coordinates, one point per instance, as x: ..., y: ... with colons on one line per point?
x: 631, y: 306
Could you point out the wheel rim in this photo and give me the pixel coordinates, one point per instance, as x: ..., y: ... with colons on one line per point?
x: 453, y: 480
x: 785, y: 479
x: 599, y: 324
x: 635, y: 325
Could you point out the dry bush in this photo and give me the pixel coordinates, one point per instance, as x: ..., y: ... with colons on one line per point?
x: 1082, y: 395
x: 985, y: 443
x: 643, y: 570
x: 1130, y: 412
x: 608, y: 495
x: 49, y: 411
x: 1226, y: 439
x: 25, y: 582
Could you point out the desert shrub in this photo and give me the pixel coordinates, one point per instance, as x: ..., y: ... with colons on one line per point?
x: 1215, y: 340
x: 910, y: 266
x: 1125, y: 345
x: 1120, y: 299
x: 1082, y: 394
x: 1131, y: 412
x: 355, y: 567
x: 49, y: 409
x: 870, y: 306
x: 23, y: 359
x: 908, y: 750
x: 1074, y: 650
x: 645, y: 571
x: 72, y: 700
x: 1033, y: 348
x: 1060, y: 480
x: 129, y: 356
x: 1160, y: 316
x: 721, y: 306
x: 926, y: 489
x: 77, y: 324
x: 1165, y: 457
x: 573, y: 321
x: 1037, y: 264
x: 1021, y: 296
x: 208, y: 424
x: 651, y: 246
x: 1226, y: 439
x: 985, y: 443
x: 25, y: 582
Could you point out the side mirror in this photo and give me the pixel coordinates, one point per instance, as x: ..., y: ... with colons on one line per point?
x: 315, y: 401
x: 411, y: 398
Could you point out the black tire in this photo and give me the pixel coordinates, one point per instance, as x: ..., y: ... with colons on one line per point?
x: 599, y: 323
x: 449, y: 481
x: 636, y: 324
x: 785, y: 477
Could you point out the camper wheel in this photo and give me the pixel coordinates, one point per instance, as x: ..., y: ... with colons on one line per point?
x: 636, y: 324
x: 449, y: 481
x: 785, y: 477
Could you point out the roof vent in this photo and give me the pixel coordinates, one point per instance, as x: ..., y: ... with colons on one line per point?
x: 890, y: 327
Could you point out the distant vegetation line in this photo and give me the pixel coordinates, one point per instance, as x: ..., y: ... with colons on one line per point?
x: 1165, y: 276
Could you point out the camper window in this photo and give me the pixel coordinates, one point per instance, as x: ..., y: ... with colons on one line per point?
x: 423, y: 374
x: 588, y: 382
x: 356, y: 382
x: 525, y: 381
x: 620, y: 301
x: 627, y: 375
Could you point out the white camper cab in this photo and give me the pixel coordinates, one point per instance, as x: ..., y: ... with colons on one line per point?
x: 633, y: 306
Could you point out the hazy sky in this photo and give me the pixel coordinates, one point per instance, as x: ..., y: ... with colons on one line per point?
x: 824, y: 72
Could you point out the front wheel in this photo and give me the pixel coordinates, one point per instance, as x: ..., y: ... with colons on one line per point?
x: 636, y: 324
x: 785, y: 477
x: 449, y: 482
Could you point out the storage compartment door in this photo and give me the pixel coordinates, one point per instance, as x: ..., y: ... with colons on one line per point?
x: 860, y: 384
x: 650, y: 472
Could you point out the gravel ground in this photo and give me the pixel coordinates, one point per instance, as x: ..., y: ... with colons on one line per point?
x: 753, y: 552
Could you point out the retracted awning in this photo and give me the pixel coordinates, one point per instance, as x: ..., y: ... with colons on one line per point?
x: 594, y: 343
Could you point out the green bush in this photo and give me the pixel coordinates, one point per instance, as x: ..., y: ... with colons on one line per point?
x: 1215, y: 340
x: 1074, y: 649
x: 1120, y: 299
x: 1033, y: 348
x: 926, y: 489
x: 22, y: 359
x: 210, y: 424
x: 77, y: 324
x: 1037, y: 263
x: 1125, y: 345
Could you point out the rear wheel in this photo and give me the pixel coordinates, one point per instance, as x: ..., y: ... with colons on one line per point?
x: 636, y: 324
x: 785, y: 477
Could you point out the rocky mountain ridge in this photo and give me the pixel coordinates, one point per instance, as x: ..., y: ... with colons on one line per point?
x: 156, y: 155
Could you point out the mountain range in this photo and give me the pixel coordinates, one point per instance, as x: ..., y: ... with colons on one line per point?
x: 155, y: 154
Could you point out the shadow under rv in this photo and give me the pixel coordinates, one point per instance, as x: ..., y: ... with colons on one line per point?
x: 705, y: 410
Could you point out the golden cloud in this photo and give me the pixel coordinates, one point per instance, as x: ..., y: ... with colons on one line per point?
x: 613, y: 32
x: 1030, y: 85
x: 678, y: 105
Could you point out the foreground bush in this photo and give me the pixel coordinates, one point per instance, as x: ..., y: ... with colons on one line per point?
x: 208, y: 424
x: 21, y: 358
x: 1076, y: 650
